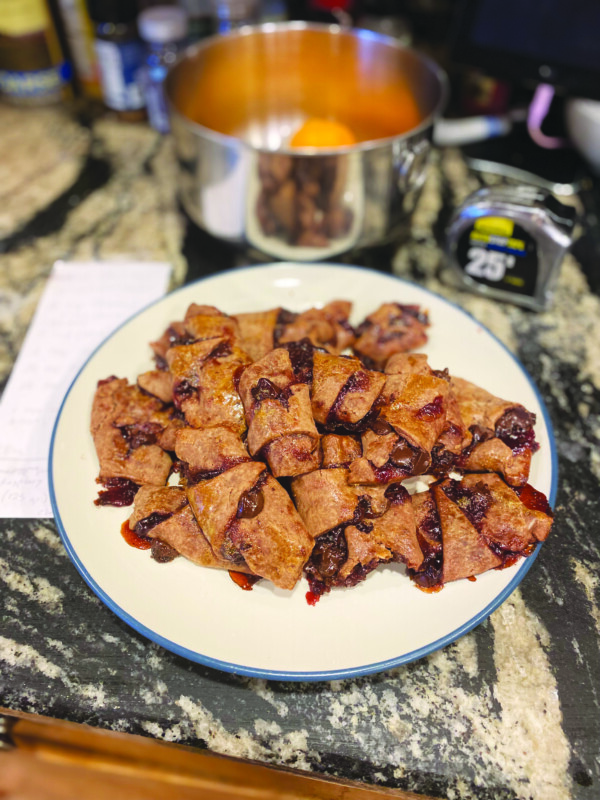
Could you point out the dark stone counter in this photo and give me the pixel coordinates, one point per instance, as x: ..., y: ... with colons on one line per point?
x: 510, y: 711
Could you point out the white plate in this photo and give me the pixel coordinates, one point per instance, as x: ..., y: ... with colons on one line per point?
x: 270, y: 633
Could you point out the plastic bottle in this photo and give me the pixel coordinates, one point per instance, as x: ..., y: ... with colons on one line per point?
x: 120, y: 55
x: 164, y: 30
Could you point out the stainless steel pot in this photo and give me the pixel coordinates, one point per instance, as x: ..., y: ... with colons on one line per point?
x: 235, y: 100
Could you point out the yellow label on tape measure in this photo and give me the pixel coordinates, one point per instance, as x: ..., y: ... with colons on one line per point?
x: 495, y: 226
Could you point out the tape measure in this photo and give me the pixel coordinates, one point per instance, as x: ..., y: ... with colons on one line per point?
x: 508, y: 242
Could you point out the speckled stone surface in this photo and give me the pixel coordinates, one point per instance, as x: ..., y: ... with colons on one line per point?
x: 509, y: 712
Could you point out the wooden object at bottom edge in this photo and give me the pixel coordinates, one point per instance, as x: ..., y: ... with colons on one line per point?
x: 56, y: 760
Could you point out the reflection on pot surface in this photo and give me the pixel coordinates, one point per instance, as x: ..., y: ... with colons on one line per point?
x: 304, y: 200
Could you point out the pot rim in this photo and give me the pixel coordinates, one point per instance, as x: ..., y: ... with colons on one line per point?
x: 338, y: 30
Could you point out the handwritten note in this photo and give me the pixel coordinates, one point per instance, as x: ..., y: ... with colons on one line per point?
x: 83, y: 302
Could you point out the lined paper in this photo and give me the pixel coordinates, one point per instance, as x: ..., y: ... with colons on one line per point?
x: 83, y: 302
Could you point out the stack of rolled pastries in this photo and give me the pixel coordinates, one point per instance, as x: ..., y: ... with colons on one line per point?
x: 257, y: 447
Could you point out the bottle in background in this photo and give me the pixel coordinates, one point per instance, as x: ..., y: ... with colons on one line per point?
x: 120, y: 55
x: 200, y: 19
x: 33, y: 68
x: 80, y: 37
x: 231, y: 14
x: 164, y: 30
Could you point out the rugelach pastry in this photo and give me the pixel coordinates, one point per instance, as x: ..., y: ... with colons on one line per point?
x: 276, y: 445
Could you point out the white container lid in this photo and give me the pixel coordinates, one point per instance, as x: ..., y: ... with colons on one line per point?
x: 163, y: 24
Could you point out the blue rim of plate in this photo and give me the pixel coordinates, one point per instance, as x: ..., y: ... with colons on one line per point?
x: 281, y: 675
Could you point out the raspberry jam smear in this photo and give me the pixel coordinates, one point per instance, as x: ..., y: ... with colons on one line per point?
x: 118, y: 492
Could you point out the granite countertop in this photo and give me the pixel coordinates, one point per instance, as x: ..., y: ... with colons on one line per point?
x: 509, y: 711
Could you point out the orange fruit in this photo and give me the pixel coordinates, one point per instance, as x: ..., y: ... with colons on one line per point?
x: 316, y: 132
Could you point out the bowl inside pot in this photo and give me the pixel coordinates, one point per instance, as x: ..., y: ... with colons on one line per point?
x: 237, y: 100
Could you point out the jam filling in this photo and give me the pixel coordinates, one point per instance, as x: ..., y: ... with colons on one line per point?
x: 473, y: 501
x: 429, y: 535
x: 333, y: 424
x: 451, y: 429
x: 442, y: 373
x: 244, y: 581
x: 138, y: 537
x: 442, y: 461
x: 359, y: 573
x: 363, y: 511
x: 182, y: 391
x: 368, y: 363
x: 357, y: 382
x: 509, y: 557
x: 431, y: 525
x: 104, y: 381
x: 429, y: 575
x: 480, y: 434
x: 398, y: 322
x: 331, y: 552
x: 534, y: 500
x: 415, y: 312
x: 237, y: 375
x: 179, y: 338
x: 431, y: 410
x: 194, y: 476
x: 396, y: 494
x: 284, y: 318
x: 118, y: 492
x: 327, y: 558
x: 515, y: 429
x: 343, y: 323
x: 134, y: 539
x: 312, y: 598
x: 141, y: 433
x: 301, y: 356
x: 267, y: 390
x: 364, y: 326
x: 229, y: 551
x: 222, y: 350
x: 151, y: 521
x: 174, y: 339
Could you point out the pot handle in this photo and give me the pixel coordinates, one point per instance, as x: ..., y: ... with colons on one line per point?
x: 411, y: 166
